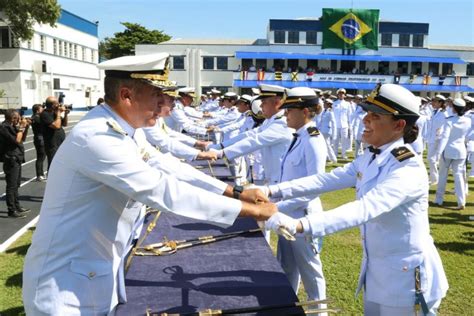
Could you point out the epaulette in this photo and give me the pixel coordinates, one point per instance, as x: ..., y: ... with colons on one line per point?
x: 249, y: 113
x: 448, y: 117
x: 313, y: 131
x: 116, y: 127
x: 402, y: 153
x: 278, y: 117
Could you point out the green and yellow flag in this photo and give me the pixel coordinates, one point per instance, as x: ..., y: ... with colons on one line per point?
x: 350, y: 28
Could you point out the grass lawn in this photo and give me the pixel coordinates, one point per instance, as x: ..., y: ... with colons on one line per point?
x: 452, y: 231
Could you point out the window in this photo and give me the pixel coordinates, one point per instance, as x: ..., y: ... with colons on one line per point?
x: 433, y: 69
x: 404, y: 40
x: 65, y: 49
x: 30, y: 44
x: 55, y: 46
x: 83, y: 53
x: 92, y: 55
x: 42, y: 43
x: 470, y: 69
x: 293, y: 37
x: 75, y: 51
x: 246, y: 63
x: 383, y: 67
x: 334, y: 65
x: 312, y: 63
x: 56, y: 84
x: 402, y: 67
x: 70, y: 50
x: 447, y: 69
x: 416, y: 68
x: 417, y: 40
x: 279, y: 64
x: 208, y: 63
x: 279, y: 36
x: 5, y: 38
x: 311, y: 37
x: 178, y: 62
x: 362, y: 66
x: 293, y: 64
x: 386, y: 39
x: 60, y: 47
x: 30, y: 84
x: 222, y: 63
x: 261, y: 63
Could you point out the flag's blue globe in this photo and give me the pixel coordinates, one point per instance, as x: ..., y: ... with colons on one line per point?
x: 350, y: 28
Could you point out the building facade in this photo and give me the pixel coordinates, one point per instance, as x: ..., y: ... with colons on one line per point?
x: 57, y: 60
x: 292, y: 55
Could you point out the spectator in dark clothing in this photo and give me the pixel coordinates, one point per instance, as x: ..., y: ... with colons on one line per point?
x: 38, y: 141
x: 53, y: 123
x: 13, y: 132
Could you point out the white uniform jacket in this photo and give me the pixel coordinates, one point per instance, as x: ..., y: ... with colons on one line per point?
x: 231, y: 115
x: 392, y: 212
x: 327, y: 124
x: 452, y: 143
x: 435, y: 126
x: 272, y: 138
x: 342, y: 112
x: 178, y: 121
x: 306, y: 157
x: 74, y: 262
x: 192, y: 112
x: 157, y: 136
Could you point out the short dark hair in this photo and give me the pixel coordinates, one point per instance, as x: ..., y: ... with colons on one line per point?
x: 460, y: 110
x: 112, y: 86
x: 410, y: 132
x: 9, y: 114
x: 36, y: 107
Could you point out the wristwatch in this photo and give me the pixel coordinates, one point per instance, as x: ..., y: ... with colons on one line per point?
x: 238, y: 189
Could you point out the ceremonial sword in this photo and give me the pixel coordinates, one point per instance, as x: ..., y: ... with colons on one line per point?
x: 150, y: 227
x: 255, y: 309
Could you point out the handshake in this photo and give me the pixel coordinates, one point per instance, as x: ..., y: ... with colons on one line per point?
x: 262, y: 209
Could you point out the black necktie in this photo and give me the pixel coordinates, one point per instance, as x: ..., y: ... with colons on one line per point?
x: 295, y: 137
x: 375, y: 152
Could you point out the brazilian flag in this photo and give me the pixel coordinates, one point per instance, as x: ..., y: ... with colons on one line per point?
x: 350, y: 29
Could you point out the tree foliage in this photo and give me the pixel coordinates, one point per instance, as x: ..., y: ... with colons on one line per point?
x: 20, y: 15
x: 123, y: 43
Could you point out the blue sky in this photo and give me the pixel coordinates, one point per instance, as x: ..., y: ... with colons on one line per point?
x: 451, y: 21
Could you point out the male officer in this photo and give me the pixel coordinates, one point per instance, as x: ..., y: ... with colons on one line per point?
x: 401, y: 269
x: 306, y: 156
x: 170, y: 141
x: 77, y: 252
x: 342, y: 112
x: 179, y: 121
x: 188, y: 95
x: 13, y: 133
x: 230, y: 114
x: 272, y: 137
x: 433, y: 136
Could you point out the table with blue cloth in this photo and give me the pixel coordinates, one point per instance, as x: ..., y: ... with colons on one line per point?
x: 233, y: 273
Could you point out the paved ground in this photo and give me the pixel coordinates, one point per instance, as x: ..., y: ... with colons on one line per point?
x: 31, y: 192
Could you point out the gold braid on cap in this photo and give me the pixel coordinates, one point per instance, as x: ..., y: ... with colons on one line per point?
x: 374, y: 94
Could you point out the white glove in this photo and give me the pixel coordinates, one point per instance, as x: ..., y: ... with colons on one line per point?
x: 278, y: 220
x: 213, y: 146
x: 219, y: 152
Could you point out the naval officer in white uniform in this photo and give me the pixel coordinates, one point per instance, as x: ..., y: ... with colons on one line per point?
x: 401, y: 272
x: 452, y: 153
x: 435, y: 126
x: 306, y: 156
x: 272, y: 138
x: 72, y: 266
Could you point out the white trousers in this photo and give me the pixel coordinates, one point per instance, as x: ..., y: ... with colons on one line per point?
x: 300, y: 261
x: 331, y: 155
x: 359, y: 148
x: 375, y: 309
x: 458, y: 167
x: 342, y: 138
x: 433, y: 162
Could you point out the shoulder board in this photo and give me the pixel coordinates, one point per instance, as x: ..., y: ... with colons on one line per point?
x: 313, y: 131
x: 116, y: 127
x: 448, y: 117
x: 402, y: 153
x: 248, y: 113
x: 278, y: 117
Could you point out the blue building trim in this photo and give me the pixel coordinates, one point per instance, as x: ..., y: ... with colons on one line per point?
x: 317, y: 25
x: 76, y: 22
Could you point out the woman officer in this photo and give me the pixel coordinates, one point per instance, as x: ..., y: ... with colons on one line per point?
x: 401, y: 273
